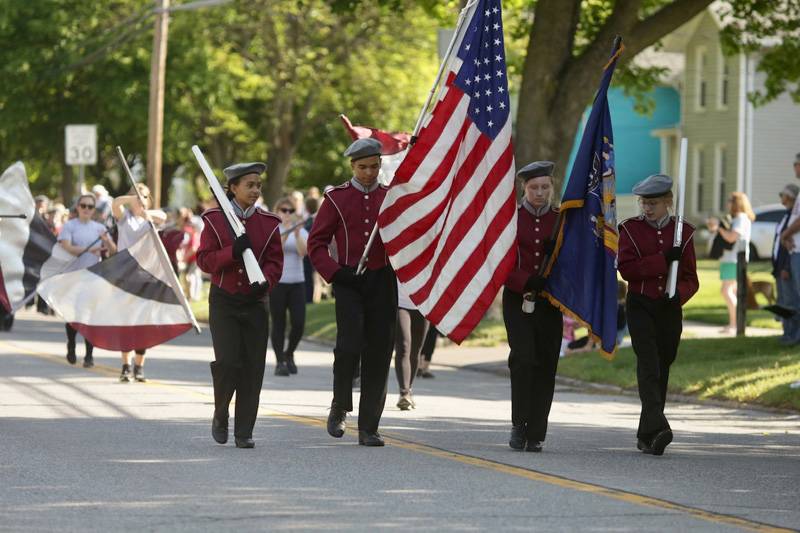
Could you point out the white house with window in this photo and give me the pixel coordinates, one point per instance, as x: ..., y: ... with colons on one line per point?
x: 732, y: 144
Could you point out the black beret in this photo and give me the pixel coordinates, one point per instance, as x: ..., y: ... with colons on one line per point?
x: 243, y: 169
x: 536, y: 170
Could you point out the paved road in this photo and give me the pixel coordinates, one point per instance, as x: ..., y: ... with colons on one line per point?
x: 80, y: 451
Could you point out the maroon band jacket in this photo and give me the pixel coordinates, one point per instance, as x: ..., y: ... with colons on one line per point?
x: 215, y: 255
x: 347, y: 216
x: 641, y: 258
x: 532, y: 233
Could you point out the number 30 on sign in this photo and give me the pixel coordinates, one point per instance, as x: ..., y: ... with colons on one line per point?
x: 81, y: 144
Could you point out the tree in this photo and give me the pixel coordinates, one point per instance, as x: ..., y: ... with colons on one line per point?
x: 570, y: 40
x: 323, y: 60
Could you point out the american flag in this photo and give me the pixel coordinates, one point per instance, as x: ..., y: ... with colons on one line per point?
x: 449, y: 219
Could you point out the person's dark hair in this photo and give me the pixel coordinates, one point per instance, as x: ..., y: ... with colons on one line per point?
x: 312, y: 205
x: 228, y: 191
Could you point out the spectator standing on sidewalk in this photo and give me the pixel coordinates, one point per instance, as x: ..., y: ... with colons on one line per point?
x: 790, y: 238
x: 133, y: 221
x: 742, y: 218
x: 289, y: 293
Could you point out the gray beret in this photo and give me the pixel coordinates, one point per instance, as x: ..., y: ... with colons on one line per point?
x: 536, y: 169
x: 243, y: 169
x: 653, y: 186
x: 790, y: 190
x: 362, y: 148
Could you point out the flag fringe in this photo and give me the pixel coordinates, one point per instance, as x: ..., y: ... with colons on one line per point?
x: 608, y: 356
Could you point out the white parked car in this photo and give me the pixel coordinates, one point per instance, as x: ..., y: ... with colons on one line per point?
x: 763, y: 232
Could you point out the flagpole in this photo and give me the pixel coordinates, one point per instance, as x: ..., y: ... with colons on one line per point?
x: 421, y: 118
x: 162, y: 251
x: 673, y: 267
x: 549, y: 259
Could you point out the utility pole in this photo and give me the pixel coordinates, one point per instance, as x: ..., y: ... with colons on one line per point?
x: 155, y: 118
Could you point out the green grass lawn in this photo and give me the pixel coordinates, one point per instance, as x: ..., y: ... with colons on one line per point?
x: 757, y: 370
x: 707, y: 305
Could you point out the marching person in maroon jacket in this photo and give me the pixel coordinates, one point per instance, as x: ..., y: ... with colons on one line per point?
x: 655, y: 321
x: 534, y: 337
x: 238, y: 318
x: 366, y: 304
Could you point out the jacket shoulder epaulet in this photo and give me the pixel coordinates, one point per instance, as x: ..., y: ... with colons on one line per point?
x: 261, y: 211
x: 341, y: 187
x: 212, y: 210
x: 637, y: 218
x: 382, y: 186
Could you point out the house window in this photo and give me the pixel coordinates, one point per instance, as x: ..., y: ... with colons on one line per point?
x: 724, y: 82
x: 699, y: 157
x: 701, y: 89
x: 721, y: 173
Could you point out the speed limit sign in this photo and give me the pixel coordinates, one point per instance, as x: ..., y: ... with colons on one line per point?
x: 81, y: 144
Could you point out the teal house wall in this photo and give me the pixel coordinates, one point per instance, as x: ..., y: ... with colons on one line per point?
x: 636, y: 152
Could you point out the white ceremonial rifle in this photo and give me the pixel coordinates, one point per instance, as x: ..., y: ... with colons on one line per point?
x: 254, y: 273
x: 362, y: 263
x: 672, y: 280
x: 176, y: 284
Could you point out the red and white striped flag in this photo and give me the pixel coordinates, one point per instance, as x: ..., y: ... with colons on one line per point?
x: 449, y: 219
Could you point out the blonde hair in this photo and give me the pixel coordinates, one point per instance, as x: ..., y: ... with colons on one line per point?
x: 286, y: 200
x: 740, y: 203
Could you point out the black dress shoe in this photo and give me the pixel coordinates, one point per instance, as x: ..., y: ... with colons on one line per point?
x: 336, y: 421
x: 281, y: 369
x: 246, y: 442
x: 534, y: 446
x: 518, y: 438
x: 641, y: 444
x: 219, y: 430
x: 659, y: 442
x: 71, y: 358
x: 88, y: 361
x: 368, y: 438
x: 291, y: 364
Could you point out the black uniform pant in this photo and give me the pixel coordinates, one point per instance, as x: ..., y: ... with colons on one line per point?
x: 366, y: 316
x: 71, y: 334
x: 655, y: 327
x: 535, y: 342
x: 239, y: 331
x: 287, y: 297
x: 411, y: 330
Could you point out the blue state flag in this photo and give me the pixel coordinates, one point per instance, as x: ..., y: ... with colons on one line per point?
x: 582, y: 274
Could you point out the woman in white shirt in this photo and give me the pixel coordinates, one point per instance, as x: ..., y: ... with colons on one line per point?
x: 290, y: 292
x: 85, y: 239
x: 133, y: 220
x: 742, y: 218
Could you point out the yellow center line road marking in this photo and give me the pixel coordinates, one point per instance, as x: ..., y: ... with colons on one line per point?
x: 477, y: 462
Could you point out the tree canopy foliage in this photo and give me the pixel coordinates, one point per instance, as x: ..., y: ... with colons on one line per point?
x: 267, y: 79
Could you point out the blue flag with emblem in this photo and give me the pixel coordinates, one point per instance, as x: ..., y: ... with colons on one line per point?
x: 582, y: 272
